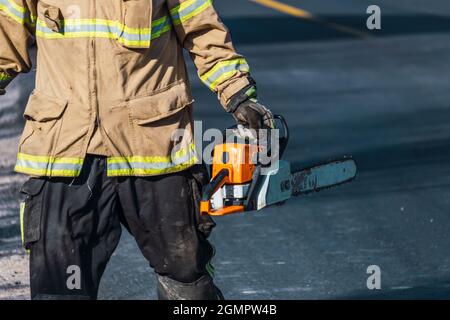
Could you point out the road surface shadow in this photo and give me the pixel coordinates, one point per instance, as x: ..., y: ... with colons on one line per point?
x: 290, y: 29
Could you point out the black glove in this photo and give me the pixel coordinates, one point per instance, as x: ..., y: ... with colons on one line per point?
x: 254, y: 115
x: 246, y: 109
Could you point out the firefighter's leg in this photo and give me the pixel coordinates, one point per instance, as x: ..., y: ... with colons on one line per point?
x: 162, y: 215
x: 71, y: 228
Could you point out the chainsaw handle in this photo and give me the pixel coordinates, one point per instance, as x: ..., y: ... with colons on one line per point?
x: 284, y: 139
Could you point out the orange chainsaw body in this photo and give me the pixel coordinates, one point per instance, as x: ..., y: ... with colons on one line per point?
x: 237, y: 158
x: 232, y: 165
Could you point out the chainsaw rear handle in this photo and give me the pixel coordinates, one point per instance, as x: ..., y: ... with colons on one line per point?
x: 284, y: 138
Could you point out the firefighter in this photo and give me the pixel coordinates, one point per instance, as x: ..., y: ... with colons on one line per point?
x: 111, y: 89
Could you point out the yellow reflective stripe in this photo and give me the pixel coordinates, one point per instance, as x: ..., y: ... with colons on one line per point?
x: 154, y: 159
x: 91, y: 34
x: 188, y: 9
x: 145, y: 172
x: 182, y: 6
x: 222, y: 64
x: 102, y: 28
x: 16, y: 12
x: 224, y: 70
x: 94, y: 34
x: 154, y: 165
x: 48, y: 166
x: 22, y: 232
x: 225, y: 76
x: 47, y: 172
x: 101, y: 22
x: 49, y: 159
x: 161, y: 26
x: 22, y: 224
x: 17, y: 7
x: 130, y: 42
x: 6, y: 11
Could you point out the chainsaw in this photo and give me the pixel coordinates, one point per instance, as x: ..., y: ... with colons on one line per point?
x: 239, y: 183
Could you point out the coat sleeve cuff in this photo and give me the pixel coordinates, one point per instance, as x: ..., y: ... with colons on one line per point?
x: 233, y: 88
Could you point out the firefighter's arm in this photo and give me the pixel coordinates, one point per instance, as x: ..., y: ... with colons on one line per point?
x: 202, y: 33
x: 17, y: 23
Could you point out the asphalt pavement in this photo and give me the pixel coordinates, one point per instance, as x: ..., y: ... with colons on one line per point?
x: 380, y: 96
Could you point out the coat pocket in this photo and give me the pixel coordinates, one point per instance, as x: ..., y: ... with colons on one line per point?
x: 42, y: 108
x: 136, y: 24
x: 161, y: 124
x: 31, y: 211
x: 43, y: 123
x: 161, y: 104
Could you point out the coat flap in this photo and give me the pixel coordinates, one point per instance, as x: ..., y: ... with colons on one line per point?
x: 161, y: 104
x: 44, y: 108
x: 52, y: 16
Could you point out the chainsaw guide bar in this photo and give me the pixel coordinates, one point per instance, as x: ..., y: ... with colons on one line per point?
x: 323, y: 176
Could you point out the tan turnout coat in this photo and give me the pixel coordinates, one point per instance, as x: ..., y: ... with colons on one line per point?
x: 111, y: 79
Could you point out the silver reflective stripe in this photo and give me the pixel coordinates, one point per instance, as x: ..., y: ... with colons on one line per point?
x: 234, y: 67
x: 184, y: 12
x: 48, y: 165
x: 16, y: 12
x: 151, y: 165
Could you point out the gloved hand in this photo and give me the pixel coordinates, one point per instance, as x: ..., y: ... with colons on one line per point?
x: 246, y: 109
x: 254, y: 115
x: 2, y: 91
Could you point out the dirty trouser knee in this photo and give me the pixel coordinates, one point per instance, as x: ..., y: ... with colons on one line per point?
x: 71, y: 227
x: 163, y: 215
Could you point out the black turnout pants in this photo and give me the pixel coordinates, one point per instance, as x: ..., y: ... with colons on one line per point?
x: 71, y: 227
